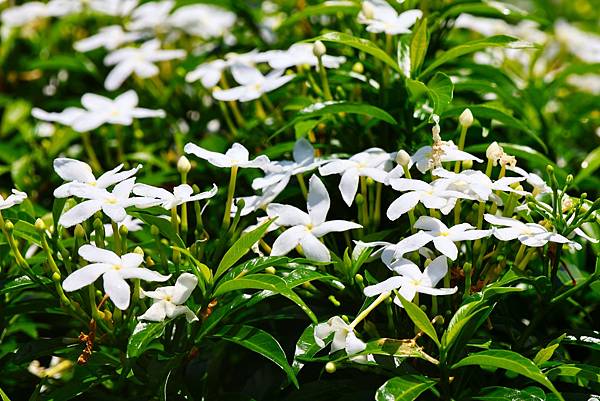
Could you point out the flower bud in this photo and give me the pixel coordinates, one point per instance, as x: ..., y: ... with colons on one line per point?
x: 149, y: 261
x: 467, y: 164
x: 9, y: 226
x: 183, y: 165
x: 138, y: 250
x: 319, y: 48
x: 270, y: 270
x: 494, y: 152
x: 40, y: 225
x: 402, y: 158
x: 358, y: 278
x: 466, y: 118
x: 154, y: 230
x: 123, y: 230
x: 56, y: 277
x: 358, y: 67
x: 330, y: 367
x: 79, y: 231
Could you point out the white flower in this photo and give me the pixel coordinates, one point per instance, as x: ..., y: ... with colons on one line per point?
x: 379, y: 16
x: 370, y: 163
x: 529, y: 234
x: 537, y: 182
x: 584, y: 45
x: 181, y: 194
x: 301, y: 54
x: 100, y: 110
x: 208, y: 73
x: 115, y: 8
x: 20, y: 15
x: 444, y: 238
x: 138, y: 60
x: 255, y: 202
x: 411, y: 281
x: 237, y: 156
x: 76, y: 172
x: 169, y: 301
x: 151, y: 15
x: 253, y: 84
x: 203, y: 20
x: 430, y: 195
x: 17, y: 197
x: 451, y: 153
x: 343, y: 336
x: 306, y: 228
x: 129, y: 222
x: 114, y: 270
x: 109, y: 37
x: 113, y: 204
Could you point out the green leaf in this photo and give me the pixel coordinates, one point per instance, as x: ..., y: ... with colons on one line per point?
x: 589, y: 165
x: 403, y: 388
x: 505, y: 393
x: 418, y: 45
x: 335, y: 107
x: 14, y: 114
x: 3, y: 396
x: 485, y: 111
x: 404, y: 55
x: 343, y: 7
x: 358, y: 43
x: 267, y: 282
x: 21, y: 283
x: 241, y: 247
x: 164, y: 226
x: 260, y: 342
x: 439, y: 89
x: 578, y: 373
x: 510, y: 361
x: 420, y: 319
x: 305, y: 348
x: 139, y: 341
x: 546, y: 353
x: 466, y: 48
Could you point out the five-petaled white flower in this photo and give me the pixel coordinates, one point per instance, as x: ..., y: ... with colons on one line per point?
x: 109, y: 37
x: 343, y: 336
x: 236, y: 156
x: 138, y: 60
x: 76, y: 172
x: 181, y: 194
x: 444, y: 238
x: 369, y: 163
x: 379, y: 17
x: 306, y: 228
x: 15, y: 198
x: 113, y: 204
x: 169, y: 301
x: 451, y: 153
x: 151, y: 15
x: 529, y: 234
x: 114, y: 270
x: 128, y: 222
x: 301, y: 54
x: 412, y: 281
x: 203, y: 20
x: 100, y: 110
x: 253, y: 84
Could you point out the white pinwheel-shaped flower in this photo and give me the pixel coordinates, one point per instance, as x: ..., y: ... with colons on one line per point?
x: 76, y: 172
x: 539, y: 185
x: 301, y: 54
x: 370, y: 163
x: 306, y: 228
x: 422, y: 157
x: 109, y: 37
x: 208, y: 73
x: 138, y: 60
x: 412, y: 281
x: 152, y: 15
x: 181, y: 194
x: 128, y: 222
x: 379, y: 17
x: 529, y: 234
x: 113, y: 204
x: 15, y: 198
x: 114, y: 270
x: 253, y: 84
x: 169, y: 302
x: 430, y: 195
x: 115, y: 8
x: 444, y: 238
x: 100, y: 110
x: 236, y: 156
x: 203, y: 20
x: 343, y: 336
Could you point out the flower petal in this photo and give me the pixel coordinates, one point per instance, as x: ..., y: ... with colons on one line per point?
x: 402, y: 205
x: 185, y: 284
x: 288, y: 240
x: 314, y: 249
x: 143, y: 274
x: 435, y: 271
x: 84, y: 276
x: 390, y: 284
x: 287, y: 215
x: 318, y: 202
x: 155, y: 313
x: 349, y: 185
x: 80, y: 213
x: 93, y: 254
x: 117, y: 289
x: 446, y: 246
x: 334, y: 226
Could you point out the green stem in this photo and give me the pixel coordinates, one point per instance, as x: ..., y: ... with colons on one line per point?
x: 382, y: 297
x: 91, y: 153
x: 230, y: 193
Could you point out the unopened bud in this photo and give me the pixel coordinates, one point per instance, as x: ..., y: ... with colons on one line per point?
x: 56, y: 277
x: 79, y: 231
x: 183, y: 165
x: 330, y: 367
x: 40, y: 225
x: 319, y: 49
x: 494, y: 152
x: 358, y: 278
x: 466, y: 118
x: 270, y: 270
x: 123, y: 230
x: 154, y: 230
x: 138, y: 250
x: 402, y: 158
x: 358, y: 68
x: 467, y: 164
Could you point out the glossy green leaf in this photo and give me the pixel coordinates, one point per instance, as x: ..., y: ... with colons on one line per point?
x: 404, y: 55
x: 441, y: 91
x: 241, y: 247
x: 164, y: 226
x: 403, y: 388
x: 511, y: 361
x: 418, y: 45
x: 467, y: 48
x: 259, y: 341
x: 420, y: 319
x: 578, y: 373
x: 334, y: 7
x: 3, y: 396
x: 140, y: 341
x: 505, y: 393
x: 589, y: 165
x: 306, y: 347
x: 360, y: 44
